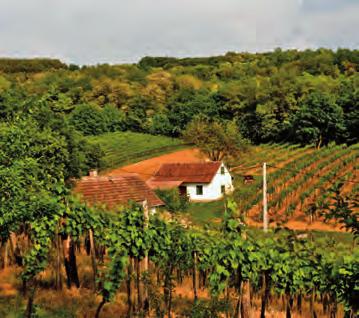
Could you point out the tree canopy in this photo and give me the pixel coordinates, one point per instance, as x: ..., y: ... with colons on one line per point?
x: 272, y: 97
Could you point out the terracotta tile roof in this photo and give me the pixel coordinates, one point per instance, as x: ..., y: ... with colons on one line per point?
x: 115, y: 191
x: 153, y: 184
x: 200, y: 172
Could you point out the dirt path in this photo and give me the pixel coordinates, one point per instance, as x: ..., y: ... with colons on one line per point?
x: 145, y: 169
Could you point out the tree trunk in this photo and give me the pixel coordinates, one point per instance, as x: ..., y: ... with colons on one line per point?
x: 227, y: 301
x: 6, y: 254
x: 299, y: 303
x: 58, y: 274
x: 288, y: 311
x: 333, y: 308
x: 168, y: 290
x: 311, y: 305
x: 138, y: 284
x: 93, y: 257
x: 129, y: 290
x: 245, y: 300
x: 320, y: 142
x: 30, y: 303
x: 15, y: 249
x: 99, y: 308
x: 238, y: 313
x: 325, y: 303
x: 170, y: 301
x: 265, y: 296
x: 70, y: 263
x: 194, y: 277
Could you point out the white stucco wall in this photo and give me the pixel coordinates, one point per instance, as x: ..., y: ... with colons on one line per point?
x: 211, y: 191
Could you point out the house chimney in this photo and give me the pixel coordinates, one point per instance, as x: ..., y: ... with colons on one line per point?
x: 93, y: 173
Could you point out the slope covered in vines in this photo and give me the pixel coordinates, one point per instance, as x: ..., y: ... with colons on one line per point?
x: 297, y: 179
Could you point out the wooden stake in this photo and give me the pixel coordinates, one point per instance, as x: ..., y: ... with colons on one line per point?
x: 145, y: 260
x: 93, y: 257
x: 265, y: 208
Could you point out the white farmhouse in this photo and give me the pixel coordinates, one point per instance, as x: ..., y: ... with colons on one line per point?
x: 202, y: 181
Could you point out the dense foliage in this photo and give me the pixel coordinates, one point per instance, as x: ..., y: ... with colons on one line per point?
x: 298, y: 96
x: 173, y: 200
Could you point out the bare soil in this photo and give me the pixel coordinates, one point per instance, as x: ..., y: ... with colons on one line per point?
x: 145, y: 169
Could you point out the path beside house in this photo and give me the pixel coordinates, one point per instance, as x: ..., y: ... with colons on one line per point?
x: 145, y: 169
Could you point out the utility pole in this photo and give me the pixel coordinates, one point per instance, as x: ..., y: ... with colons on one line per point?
x: 265, y: 208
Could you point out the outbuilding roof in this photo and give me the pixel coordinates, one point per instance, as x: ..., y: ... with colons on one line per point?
x: 199, y: 172
x: 113, y: 191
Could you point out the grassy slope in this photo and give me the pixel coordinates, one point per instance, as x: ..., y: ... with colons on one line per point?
x: 204, y: 213
x: 123, y: 148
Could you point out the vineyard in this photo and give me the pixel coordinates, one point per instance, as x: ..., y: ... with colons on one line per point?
x: 122, y: 148
x: 70, y: 260
x: 298, y: 179
x: 129, y: 265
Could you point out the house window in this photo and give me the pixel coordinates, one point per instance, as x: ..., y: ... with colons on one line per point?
x: 183, y: 190
x: 222, y: 170
x: 223, y: 189
x: 199, y: 190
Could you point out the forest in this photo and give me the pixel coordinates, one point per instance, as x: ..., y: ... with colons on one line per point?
x: 129, y: 264
x: 294, y: 96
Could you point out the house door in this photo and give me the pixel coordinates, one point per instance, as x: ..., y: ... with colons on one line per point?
x: 183, y: 190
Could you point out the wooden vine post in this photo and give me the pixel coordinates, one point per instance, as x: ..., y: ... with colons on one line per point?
x: 145, y: 260
x: 58, y: 277
x: 93, y: 256
x: 195, y: 277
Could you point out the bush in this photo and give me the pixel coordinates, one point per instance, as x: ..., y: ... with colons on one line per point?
x: 114, y: 119
x: 173, y: 200
x: 88, y: 119
x: 92, y: 120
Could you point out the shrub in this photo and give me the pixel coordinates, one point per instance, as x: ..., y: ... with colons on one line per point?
x: 173, y: 200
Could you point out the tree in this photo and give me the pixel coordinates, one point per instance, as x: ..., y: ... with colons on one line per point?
x: 88, y: 119
x: 217, y: 140
x: 319, y: 120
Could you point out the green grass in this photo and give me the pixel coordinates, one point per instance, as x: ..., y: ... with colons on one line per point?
x: 210, y: 214
x: 123, y: 148
x: 206, y: 212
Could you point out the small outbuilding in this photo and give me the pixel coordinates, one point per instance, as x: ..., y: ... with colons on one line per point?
x: 200, y: 181
x: 115, y: 191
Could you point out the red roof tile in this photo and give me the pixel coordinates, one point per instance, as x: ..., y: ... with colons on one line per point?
x: 201, y: 172
x: 116, y: 191
x: 153, y: 184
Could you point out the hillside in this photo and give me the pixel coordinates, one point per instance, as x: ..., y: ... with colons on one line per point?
x: 270, y: 96
x: 122, y: 148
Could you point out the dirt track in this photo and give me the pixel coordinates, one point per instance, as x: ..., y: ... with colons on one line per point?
x: 145, y: 169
